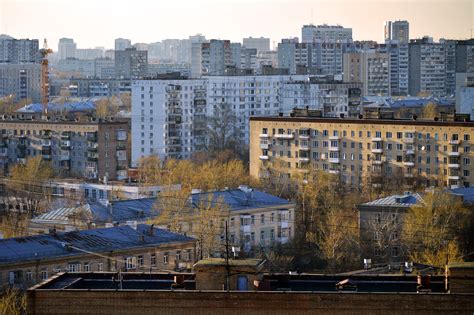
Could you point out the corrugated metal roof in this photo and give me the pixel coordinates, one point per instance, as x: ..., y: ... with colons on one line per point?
x: 238, y: 199
x: 467, y: 194
x: 98, y: 240
x: 405, y: 201
x: 68, y: 106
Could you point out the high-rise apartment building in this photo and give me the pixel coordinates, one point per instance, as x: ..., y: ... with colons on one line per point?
x: 465, y: 55
x: 66, y: 48
x: 22, y: 80
x: 18, y: 50
x: 122, y: 43
x: 398, y: 66
x: 325, y: 33
x: 363, y: 151
x: 216, y: 55
x: 261, y: 44
x: 427, y: 67
x: 371, y: 69
x: 131, y: 63
x: 397, y: 30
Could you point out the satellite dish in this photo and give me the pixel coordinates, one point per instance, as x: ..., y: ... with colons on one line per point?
x: 423, y: 148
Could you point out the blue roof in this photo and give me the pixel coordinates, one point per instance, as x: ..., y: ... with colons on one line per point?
x: 403, y: 201
x: 238, y: 199
x: 419, y: 102
x: 71, y: 106
x: 124, y: 210
x: 467, y: 194
x: 98, y: 240
x: 117, y: 211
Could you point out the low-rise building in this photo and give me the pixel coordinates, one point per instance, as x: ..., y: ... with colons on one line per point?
x: 25, y: 261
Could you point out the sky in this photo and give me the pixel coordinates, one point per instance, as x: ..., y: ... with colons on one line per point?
x: 94, y: 23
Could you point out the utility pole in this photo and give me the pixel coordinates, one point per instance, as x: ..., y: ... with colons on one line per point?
x: 227, y: 258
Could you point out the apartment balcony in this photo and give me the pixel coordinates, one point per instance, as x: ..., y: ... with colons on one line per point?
x: 3, y: 144
x: 409, y: 140
x: 334, y: 138
x: 409, y: 163
x: 454, y: 177
x: 122, y: 167
x: 333, y: 172
x: 377, y: 150
x: 121, y: 147
x: 334, y: 160
x: 46, y: 135
x: 454, y: 165
x: 92, y: 159
x: 46, y: 157
x: 246, y: 228
x: 452, y: 153
x: 455, y: 142
x: 264, y: 146
x: 377, y: 139
x: 21, y: 160
x: 64, y: 157
x: 303, y: 159
x: 3, y: 154
x: 92, y: 137
x: 303, y: 136
x: 264, y: 157
x: 408, y: 175
x: 304, y: 147
x: 284, y: 136
x: 333, y: 149
x: 410, y: 152
x: 377, y: 162
x: 283, y: 239
x: 65, y: 136
x: 264, y: 135
x: 284, y: 224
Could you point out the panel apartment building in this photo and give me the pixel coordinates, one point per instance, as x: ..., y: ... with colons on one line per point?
x: 89, y: 149
x: 358, y: 150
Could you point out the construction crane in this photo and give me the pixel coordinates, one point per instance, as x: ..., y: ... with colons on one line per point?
x: 45, y: 76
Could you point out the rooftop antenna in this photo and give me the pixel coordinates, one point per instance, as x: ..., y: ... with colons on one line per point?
x: 45, y: 51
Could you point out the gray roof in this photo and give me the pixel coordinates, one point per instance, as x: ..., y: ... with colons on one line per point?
x: 47, y: 246
x: 403, y: 201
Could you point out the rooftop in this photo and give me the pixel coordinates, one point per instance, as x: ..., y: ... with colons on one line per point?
x: 20, y: 249
x: 242, y: 198
x: 406, y: 200
x: 251, y: 262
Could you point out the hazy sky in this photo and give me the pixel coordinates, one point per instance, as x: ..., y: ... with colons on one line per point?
x: 98, y: 22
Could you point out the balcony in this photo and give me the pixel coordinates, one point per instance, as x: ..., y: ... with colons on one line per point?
x: 264, y: 146
x: 264, y: 157
x: 263, y: 135
x: 245, y: 228
x: 409, y: 140
x: 334, y: 138
x: 408, y: 175
x: 333, y: 149
x: 283, y: 224
x: 454, y: 177
x: 304, y: 147
x: 334, y: 160
x: 452, y: 153
x: 410, y: 152
x: 284, y: 136
x: 46, y: 157
x: 92, y: 137
x: 377, y: 162
x: 333, y: 172
x: 283, y: 239
x: 454, y: 165
x: 303, y: 159
x: 377, y: 139
x: 303, y: 136
x: 409, y: 163
x: 456, y: 142
x: 377, y: 150
x: 121, y: 147
x: 65, y: 136
x: 3, y: 154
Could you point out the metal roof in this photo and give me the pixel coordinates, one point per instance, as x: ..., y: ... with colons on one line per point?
x: 404, y: 201
x: 47, y: 246
x: 467, y: 194
x: 239, y: 199
x: 68, y: 106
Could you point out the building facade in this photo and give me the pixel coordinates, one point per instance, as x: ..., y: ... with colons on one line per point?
x: 397, y: 30
x: 22, y: 80
x: 369, y: 68
x: 18, y: 50
x: 364, y: 151
x: 131, y: 63
x: 85, y: 149
x: 325, y: 33
x: 144, y: 248
x: 122, y: 43
x: 66, y: 48
x: 261, y: 44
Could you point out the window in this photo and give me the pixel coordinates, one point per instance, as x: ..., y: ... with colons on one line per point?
x: 272, y: 217
x: 44, y: 274
x: 272, y: 234
x: 232, y: 221
x: 395, y: 251
x: 178, y: 256
x: 262, y: 219
x: 165, y: 258
x: 86, y: 267
x: 153, y: 260
x: 74, y: 267
x: 130, y: 262
x: 100, y: 267
x: 140, y: 261
x: 262, y: 235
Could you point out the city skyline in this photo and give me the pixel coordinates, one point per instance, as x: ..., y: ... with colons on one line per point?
x: 152, y: 22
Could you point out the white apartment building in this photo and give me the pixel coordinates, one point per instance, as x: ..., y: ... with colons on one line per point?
x: 168, y: 117
x: 325, y: 33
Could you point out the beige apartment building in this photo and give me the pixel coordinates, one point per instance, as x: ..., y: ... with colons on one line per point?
x: 370, y: 68
x: 84, y: 148
x: 360, y: 150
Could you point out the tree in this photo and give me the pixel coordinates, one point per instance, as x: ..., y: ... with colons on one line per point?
x: 430, y: 111
x: 28, y: 183
x: 433, y: 228
x: 14, y: 224
x: 13, y: 302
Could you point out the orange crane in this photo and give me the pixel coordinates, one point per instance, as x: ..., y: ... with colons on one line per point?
x: 45, y: 76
